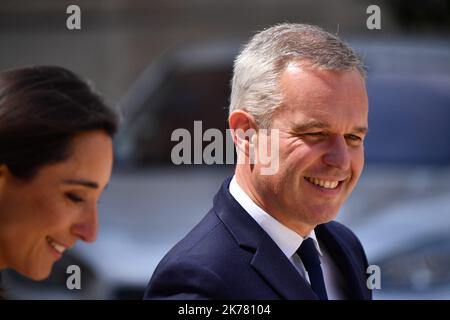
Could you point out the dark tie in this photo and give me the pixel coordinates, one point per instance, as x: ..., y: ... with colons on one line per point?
x: 310, y: 258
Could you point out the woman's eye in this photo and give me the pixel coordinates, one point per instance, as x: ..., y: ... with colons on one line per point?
x: 73, y: 197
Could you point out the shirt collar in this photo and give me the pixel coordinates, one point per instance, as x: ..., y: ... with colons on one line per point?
x: 286, y: 239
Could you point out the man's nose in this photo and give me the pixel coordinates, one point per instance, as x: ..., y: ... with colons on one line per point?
x: 86, y: 228
x: 337, y: 154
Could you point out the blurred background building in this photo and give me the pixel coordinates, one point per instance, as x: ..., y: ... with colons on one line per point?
x: 119, y: 38
x: 168, y: 63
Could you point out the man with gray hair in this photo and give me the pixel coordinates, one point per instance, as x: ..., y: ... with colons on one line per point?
x: 272, y: 236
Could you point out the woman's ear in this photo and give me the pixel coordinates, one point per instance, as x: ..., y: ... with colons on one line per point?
x: 3, y: 169
x: 5, y: 173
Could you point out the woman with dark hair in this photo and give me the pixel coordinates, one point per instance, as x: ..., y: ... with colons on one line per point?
x: 55, y: 160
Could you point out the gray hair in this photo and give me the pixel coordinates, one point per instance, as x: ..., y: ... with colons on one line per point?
x: 259, y: 65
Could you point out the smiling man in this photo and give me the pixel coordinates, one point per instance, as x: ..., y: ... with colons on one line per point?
x: 272, y: 236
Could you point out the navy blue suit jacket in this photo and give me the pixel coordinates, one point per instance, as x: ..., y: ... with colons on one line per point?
x: 229, y: 256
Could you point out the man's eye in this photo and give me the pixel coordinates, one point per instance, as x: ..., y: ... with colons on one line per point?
x: 354, y: 140
x: 314, y: 134
x: 353, y: 137
x: 73, y: 197
x: 313, y: 137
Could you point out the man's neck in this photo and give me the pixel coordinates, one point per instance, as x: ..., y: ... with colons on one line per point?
x: 244, y: 181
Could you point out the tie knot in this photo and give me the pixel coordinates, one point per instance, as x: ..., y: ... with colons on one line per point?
x: 308, y: 254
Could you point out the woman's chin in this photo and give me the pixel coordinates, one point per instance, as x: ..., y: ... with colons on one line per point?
x: 37, y: 273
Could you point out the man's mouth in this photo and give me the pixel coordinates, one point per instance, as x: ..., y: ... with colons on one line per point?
x: 327, y: 184
x: 55, y: 245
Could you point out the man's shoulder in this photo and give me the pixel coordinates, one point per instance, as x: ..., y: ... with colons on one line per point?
x: 203, y: 245
x: 201, y: 265
x: 348, y: 238
x: 342, y: 231
x: 339, y: 227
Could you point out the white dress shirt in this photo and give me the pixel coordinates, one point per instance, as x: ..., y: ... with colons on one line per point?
x: 289, y: 241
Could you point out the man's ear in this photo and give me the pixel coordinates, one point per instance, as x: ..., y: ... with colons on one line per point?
x: 243, y: 129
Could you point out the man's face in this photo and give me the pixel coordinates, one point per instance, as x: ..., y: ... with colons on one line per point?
x: 322, y: 123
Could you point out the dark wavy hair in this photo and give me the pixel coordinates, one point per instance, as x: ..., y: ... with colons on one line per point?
x: 41, y: 109
x: 2, y: 291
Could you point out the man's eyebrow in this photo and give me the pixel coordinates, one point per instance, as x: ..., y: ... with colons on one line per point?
x: 361, y: 130
x: 316, y: 124
x: 312, y: 124
x: 85, y: 183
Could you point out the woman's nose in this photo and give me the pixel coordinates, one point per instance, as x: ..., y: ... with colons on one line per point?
x: 86, y: 229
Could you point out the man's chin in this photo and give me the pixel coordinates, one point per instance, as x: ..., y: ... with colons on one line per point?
x: 321, y: 217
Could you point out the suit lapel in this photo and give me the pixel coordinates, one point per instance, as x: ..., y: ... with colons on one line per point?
x: 268, y: 259
x: 270, y: 262
x: 339, y: 252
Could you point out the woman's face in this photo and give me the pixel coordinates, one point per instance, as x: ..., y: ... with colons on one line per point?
x: 42, y: 217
